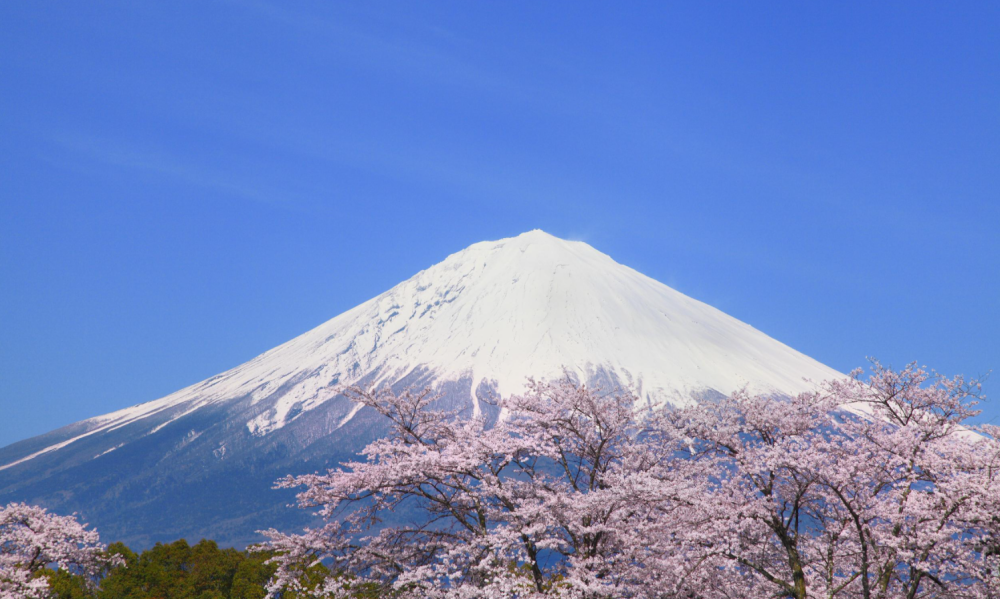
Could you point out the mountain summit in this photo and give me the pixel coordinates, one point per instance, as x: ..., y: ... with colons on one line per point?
x: 478, y: 323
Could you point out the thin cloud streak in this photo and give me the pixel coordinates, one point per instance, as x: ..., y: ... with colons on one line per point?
x: 80, y: 149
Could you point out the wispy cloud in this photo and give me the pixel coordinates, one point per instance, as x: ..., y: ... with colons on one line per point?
x: 398, y: 54
x: 82, y: 152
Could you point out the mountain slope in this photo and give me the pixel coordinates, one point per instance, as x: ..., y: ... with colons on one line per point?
x: 479, y: 322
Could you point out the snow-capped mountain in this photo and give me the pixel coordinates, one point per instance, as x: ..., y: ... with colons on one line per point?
x: 201, y: 460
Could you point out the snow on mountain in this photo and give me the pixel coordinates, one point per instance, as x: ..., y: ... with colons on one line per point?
x: 496, y: 313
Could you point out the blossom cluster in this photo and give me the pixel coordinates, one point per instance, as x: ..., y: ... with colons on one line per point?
x: 31, y: 539
x: 864, y: 488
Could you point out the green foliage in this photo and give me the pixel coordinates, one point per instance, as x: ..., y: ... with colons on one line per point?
x: 181, y: 571
x: 251, y: 578
x: 63, y: 585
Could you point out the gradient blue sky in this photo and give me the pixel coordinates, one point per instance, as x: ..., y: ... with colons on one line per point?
x: 184, y: 185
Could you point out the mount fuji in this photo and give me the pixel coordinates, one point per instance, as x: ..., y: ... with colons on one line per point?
x: 201, y: 461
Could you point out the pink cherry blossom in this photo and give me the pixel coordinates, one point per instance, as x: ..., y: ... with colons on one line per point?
x: 877, y: 488
x: 31, y: 539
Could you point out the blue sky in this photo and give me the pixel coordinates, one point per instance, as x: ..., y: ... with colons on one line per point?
x: 184, y: 185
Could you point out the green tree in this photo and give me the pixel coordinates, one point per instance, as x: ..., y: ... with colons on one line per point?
x: 251, y: 578
x: 64, y: 585
x: 175, y: 571
x: 181, y: 571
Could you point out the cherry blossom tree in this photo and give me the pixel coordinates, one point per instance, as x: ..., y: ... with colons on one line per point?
x: 877, y: 488
x: 874, y: 489
x: 534, y: 505
x: 32, y: 539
